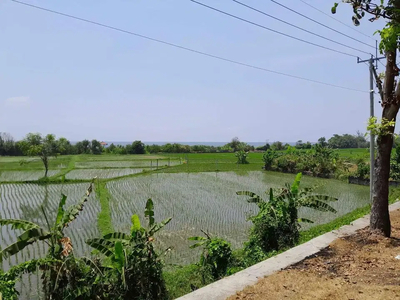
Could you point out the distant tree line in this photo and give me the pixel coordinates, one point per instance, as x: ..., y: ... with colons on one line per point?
x: 10, y: 147
x: 336, y: 142
x: 36, y: 144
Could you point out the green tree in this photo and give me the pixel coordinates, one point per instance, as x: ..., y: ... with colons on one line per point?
x: 277, y: 146
x: 44, y: 147
x: 85, y: 147
x: 96, y: 147
x: 322, y: 142
x: 138, y: 148
x: 389, y: 92
x: 234, y: 144
x: 63, y: 146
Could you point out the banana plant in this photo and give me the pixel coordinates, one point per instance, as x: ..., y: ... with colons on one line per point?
x: 133, y: 257
x: 276, y: 225
x: 292, y: 197
x: 60, y: 246
x: 138, y: 235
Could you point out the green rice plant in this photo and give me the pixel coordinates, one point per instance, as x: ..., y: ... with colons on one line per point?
x: 8, y: 176
x: 101, y: 173
x: 276, y: 226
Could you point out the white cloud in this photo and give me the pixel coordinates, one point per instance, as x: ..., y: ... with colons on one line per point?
x: 18, y: 102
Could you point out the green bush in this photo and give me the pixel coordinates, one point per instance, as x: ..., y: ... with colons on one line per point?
x: 268, y: 158
x: 215, y: 257
x: 276, y: 226
x: 134, y: 267
x: 242, y: 157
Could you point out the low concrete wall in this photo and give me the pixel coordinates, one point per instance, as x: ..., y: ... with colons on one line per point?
x: 228, y: 286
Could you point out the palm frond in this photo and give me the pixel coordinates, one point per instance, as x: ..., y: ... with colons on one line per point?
x: 101, y: 245
x: 136, y: 226
x: 18, y: 224
x: 73, y: 211
x: 60, y: 212
x: 316, y: 204
x: 16, y: 247
x: 304, y: 220
x: 296, y: 184
x: 117, y: 236
x: 324, y: 198
x: 159, y: 226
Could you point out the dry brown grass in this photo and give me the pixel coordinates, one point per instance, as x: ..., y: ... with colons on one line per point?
x: 361, y: 266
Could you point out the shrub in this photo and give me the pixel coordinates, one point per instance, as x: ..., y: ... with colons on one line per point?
x: 242, y: 157
x: 268, y: 158
x: 276, y: 226
x: 363, y: 170
x: 135, y: 269
x: 216, y: 255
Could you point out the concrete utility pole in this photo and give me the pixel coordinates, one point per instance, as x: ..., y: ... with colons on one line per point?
x: 371, y: 110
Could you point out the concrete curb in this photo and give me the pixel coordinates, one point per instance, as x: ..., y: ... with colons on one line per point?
x: 228, y: 286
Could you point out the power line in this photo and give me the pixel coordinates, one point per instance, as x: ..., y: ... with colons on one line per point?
x: 270, y: 29
x: 298, y: 27
x: 328, y: 15
x: 319, y: 23
x: 188, y: 49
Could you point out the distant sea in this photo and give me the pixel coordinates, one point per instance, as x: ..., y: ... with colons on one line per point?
x: 215, y: 144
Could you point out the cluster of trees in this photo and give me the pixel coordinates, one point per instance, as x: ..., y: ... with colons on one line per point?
x: 346, y: 141
x: 234, y: 145
x: 336, y: 141
x: 319, y: 161
x: 61, y: 146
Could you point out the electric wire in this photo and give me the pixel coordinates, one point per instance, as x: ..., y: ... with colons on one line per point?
x: 328, y: 15
x: 188, y: 49
x: 273, y: 30
x: 319, y: 23
x: 298, y: 27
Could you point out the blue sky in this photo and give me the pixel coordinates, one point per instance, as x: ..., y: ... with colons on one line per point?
x: 79, y: 80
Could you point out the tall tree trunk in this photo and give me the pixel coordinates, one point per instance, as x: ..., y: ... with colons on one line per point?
x: 46, y: 165
x: 380, y: 219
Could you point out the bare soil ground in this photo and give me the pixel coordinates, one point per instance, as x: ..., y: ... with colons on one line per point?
x: 360, y: 266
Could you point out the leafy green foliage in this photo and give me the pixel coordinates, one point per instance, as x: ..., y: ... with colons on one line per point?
x: 268, y: 158
x: 62, y: 277
x: 363, y: 170
x: 242, y: 157
x: 276, y: 226
x: 135, y: 269
x: 318, y: 161
x: 44, y: 147
x: 215, y: 257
